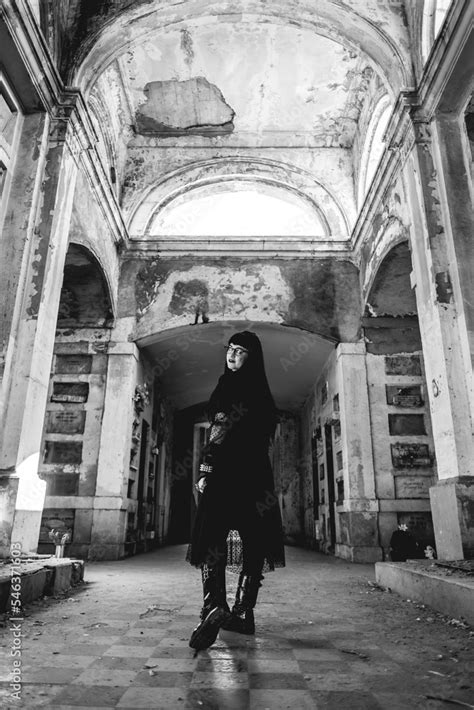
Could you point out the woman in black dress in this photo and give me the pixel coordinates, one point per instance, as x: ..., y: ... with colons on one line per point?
x: 237, y: 492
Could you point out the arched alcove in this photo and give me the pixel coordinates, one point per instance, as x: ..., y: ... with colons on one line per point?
x: 237, y: 208
x: 391, y: 293
x: 373, y: 145
x: 293, y: 188
x: 391, y: 317
x: 401, y: 426
x: 85, y: 299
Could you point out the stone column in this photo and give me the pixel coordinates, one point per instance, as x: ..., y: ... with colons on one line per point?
x: 440, y: 248
x: 31, y: 329
x: 110, y: 501
x: 358, y: 516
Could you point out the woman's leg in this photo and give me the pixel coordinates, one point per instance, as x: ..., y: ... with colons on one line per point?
x: 250, y: 580
x: 215, y: 609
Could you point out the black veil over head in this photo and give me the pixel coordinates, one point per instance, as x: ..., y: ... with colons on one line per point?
x: 248, y: 385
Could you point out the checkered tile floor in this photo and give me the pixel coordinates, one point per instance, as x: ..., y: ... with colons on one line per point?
x: 324, y: 640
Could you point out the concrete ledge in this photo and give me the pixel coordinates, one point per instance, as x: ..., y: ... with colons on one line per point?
x: 39, y: 578
x: 453, y: 596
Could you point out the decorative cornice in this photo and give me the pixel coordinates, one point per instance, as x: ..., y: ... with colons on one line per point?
x: 267, y: 247
x: 399, y: 138
x: 445, y: 54
x: 414, y: 111
x: 66, y: 107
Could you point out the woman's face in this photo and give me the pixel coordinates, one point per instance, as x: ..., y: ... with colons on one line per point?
x: 236, y: 356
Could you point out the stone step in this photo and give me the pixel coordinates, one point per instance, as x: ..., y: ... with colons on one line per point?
x: 36, y: 578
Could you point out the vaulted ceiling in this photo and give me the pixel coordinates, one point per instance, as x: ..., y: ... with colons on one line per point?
x: 292, y: 67
x: 233, y: 108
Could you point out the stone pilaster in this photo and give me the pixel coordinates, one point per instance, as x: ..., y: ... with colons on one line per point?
x: 440, y: 280
x: 110, y: 501
x: 358, y: 538
x: 32, y: 329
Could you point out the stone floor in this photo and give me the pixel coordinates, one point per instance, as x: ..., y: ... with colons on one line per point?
x: 327, y: 638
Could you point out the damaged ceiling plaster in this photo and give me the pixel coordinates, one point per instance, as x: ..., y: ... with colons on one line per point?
x: 177, y: 108
x: 215, y: 79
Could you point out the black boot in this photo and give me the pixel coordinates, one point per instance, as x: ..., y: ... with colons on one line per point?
x: 215, y: 609
x: 242, y: 618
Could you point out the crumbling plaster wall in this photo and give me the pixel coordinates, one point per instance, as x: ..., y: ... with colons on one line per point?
x: 151, y: 160
x: 286, y: 465
x: 379, y: 28
x: 21, y: 199
x: 388, y: 226
x: 90, y: 229
x: 306, y: 465
x: 317, y: 295
x: 375, y: 91
x: 112, y: 120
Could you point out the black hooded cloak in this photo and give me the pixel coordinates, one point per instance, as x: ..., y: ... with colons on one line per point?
x: 239, y: 492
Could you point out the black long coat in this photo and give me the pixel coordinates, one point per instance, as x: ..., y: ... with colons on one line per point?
x: 239, y: 493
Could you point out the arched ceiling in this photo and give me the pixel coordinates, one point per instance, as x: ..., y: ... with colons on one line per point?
x: 106, y: 30
x: 277, y: 81
x: 249, y: 78
x: 190, y: 359
x: 194, y: 67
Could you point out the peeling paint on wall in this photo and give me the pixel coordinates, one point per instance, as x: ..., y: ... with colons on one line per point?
x: 317, y: 295
x: 191, y: 294
x: 444, y: 288
x: 253, y: 293
x: 178, y: 108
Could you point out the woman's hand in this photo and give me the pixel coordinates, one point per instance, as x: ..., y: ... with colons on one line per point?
x: 200, y: 485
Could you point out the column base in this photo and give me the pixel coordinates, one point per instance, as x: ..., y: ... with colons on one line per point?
x: 108, y: 534
x: 358, y: 538
x: 452, y: 507
x: 363, y: 555
x: 8, y: 495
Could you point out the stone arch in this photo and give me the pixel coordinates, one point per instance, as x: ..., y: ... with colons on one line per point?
x: 317, y: 295
x: 390, y: 292
x: 261, y: 171
x: 85, y: 294
x: 372, y: 149
x: 393, y: 232
x: 188, y: 359
x: 338, y: 23
x: 106, y: 143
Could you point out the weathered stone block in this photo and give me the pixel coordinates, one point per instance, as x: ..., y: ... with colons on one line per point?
x: 406, y: 424
x: 56, y: 519
x: 65, y: 422
x: 410, y: 455
x: 67, y: 452
x: 401, y: 396
x: 452, y: 503
x: 108, y: 534
x: 87, y: 480
x: 33, y: 584
x: 82, y: 525
x: 409, y: 365
x: 358, y: 529
x: 70, y: 392
x: 8, y: 493
x: 60, y: 575
x: 453, y: 597
x: 412, y: 486
x: 73, y: 364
